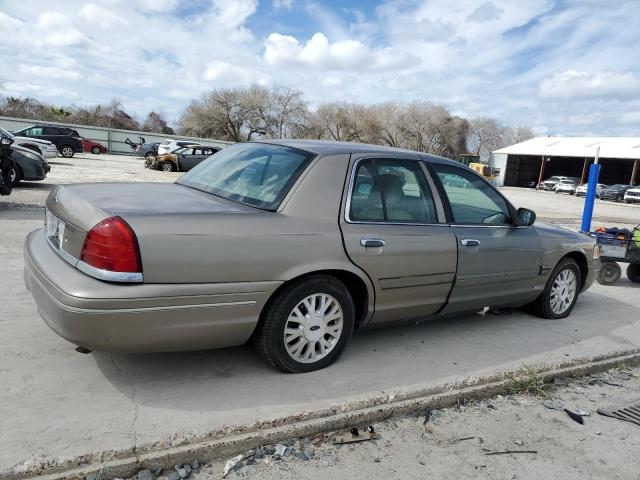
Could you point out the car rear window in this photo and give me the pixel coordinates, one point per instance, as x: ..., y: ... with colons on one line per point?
x: 255, y: 174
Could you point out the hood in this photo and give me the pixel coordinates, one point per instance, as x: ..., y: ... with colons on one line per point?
x: 86, y: 204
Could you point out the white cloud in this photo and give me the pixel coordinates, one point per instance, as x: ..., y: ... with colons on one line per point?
x: 573, y: 84
x: 50, y: 72
x: 318, y: 52
x: 233, y: 13
x: 102, y: 17
x: 285, y: 4
x: 156, y: 6
x: 57, y: 30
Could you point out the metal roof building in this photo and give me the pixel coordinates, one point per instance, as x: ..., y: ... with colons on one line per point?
x: 542, y: 157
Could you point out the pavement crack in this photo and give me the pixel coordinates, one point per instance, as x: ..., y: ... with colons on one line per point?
x: 134, y: 405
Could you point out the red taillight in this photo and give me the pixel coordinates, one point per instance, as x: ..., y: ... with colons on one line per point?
x: 111, y: 245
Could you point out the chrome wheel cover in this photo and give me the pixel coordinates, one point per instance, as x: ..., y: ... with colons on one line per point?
x: 67, y: 151
x: 313, y: 328
x: 166, y: 167
x: 13, y: 175
x: 563, y: 291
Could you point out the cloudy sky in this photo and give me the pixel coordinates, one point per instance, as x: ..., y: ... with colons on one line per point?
x: 562, y: 67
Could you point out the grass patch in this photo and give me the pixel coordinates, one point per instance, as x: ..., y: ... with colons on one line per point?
x: 526, y: 380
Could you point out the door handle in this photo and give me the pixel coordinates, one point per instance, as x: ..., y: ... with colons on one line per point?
x: 470, y: 242
x: 372, y: 243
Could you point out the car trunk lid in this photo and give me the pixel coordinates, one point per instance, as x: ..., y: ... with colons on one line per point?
x: 73, y: 210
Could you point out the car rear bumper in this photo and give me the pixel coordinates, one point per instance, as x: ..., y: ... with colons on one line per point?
x: 143, y: 317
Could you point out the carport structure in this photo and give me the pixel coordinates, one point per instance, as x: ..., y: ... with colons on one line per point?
x: 542, y: 157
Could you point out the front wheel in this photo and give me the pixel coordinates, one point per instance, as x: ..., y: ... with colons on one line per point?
x: 633, y: 272
x: 609, y: 273
x: 15, y: 175
x: 561, y: 291
x: 167, y: 167
x: 95, y: 150
x: 66, y: 151
x: 306, y: 326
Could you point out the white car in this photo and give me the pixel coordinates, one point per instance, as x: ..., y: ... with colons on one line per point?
x: 581, y: 191
x: 170, y: 146
x: 632, y: 195
x: 566, y: 186
x: 42, y: 147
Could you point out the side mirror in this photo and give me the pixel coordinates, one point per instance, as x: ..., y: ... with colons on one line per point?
x: 6, y: 141
x: 525, y: 217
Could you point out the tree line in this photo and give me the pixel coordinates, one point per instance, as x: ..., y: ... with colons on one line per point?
x: 247, y: 113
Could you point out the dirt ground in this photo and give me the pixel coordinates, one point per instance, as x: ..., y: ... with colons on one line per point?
x: 465, y: 441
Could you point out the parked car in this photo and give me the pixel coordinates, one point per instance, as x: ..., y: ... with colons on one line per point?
x: 169, y: 146
x: 182, y: 159
x: 551, y: 182
x: 147, y: 150
x: 93, y: 146
x: 67, y: 140
x: 632, y: 195
x: 566, y: 186
x: 29, y: 165
x: 614, y: 192
x: 293, y: 244
x: 41, y: 147
x: 581, y: 191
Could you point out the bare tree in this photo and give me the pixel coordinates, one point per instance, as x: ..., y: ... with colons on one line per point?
x: 485, y: 135
x: 289, y: 111
x: 155, y: 122
x: 518, y: 134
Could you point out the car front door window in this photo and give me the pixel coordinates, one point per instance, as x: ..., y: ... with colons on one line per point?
x: 472, y: 200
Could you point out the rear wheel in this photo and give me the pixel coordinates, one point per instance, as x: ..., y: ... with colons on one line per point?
x: 561, y: 292
x: 167, y: 167
x: 66, y: 151
x: 95, y: 150
x: 306, y: 326
x: 633, y: 272
x: 609, y: 274
x: 149, y: 155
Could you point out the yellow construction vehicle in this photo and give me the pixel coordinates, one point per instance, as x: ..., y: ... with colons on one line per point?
x: 488, y: 172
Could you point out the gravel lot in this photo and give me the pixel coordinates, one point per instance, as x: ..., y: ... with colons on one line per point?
x: 57, y: 404
x: 462, y: 441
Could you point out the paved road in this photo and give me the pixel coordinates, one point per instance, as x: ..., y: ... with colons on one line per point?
x: 56, y: 403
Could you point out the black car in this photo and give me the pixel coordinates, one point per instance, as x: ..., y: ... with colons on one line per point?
x: 67, y: 140
x: 29, y: 165
x: 614, y: 192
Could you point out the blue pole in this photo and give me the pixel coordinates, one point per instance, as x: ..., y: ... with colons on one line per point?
x: 587, y: 214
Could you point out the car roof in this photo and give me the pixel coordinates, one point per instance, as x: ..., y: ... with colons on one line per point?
x: 331, y: 147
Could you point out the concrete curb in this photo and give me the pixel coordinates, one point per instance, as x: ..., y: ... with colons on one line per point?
x: 231, y: 441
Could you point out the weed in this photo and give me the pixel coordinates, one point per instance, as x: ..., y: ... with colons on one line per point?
x: 526, y: 380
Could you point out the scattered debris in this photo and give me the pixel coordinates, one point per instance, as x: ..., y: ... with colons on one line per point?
x: 629, y: 412
x: 507, y: 452
x: 554, y: 405
x: 355, y: 436
x: 280, y: 449
x: 519, y: 442
x: 145, y: 475
x: 235, y: 463
x: 574, y: 416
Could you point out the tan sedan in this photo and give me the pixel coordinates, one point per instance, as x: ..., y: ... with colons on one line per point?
x: 293, y: 244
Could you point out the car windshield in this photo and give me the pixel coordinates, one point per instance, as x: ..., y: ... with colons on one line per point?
x: 255, y: 174
x: 617, y: 187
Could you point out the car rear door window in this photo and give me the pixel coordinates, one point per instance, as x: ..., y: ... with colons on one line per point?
x: 472, y: 200
x: 390, y: 190
x: 33, y: 132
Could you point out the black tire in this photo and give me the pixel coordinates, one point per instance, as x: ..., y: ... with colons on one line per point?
x: 542, y: 305
x: 167, y: 167
x: 149, y: 155
x: 610, y: 273
x: 66, y: 151
x: 96, y: 150
x: 633, y: 272
x: 269, y: 334
x: 18, y: 175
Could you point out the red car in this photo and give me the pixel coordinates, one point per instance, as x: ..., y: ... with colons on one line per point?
x: 93, y: 146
